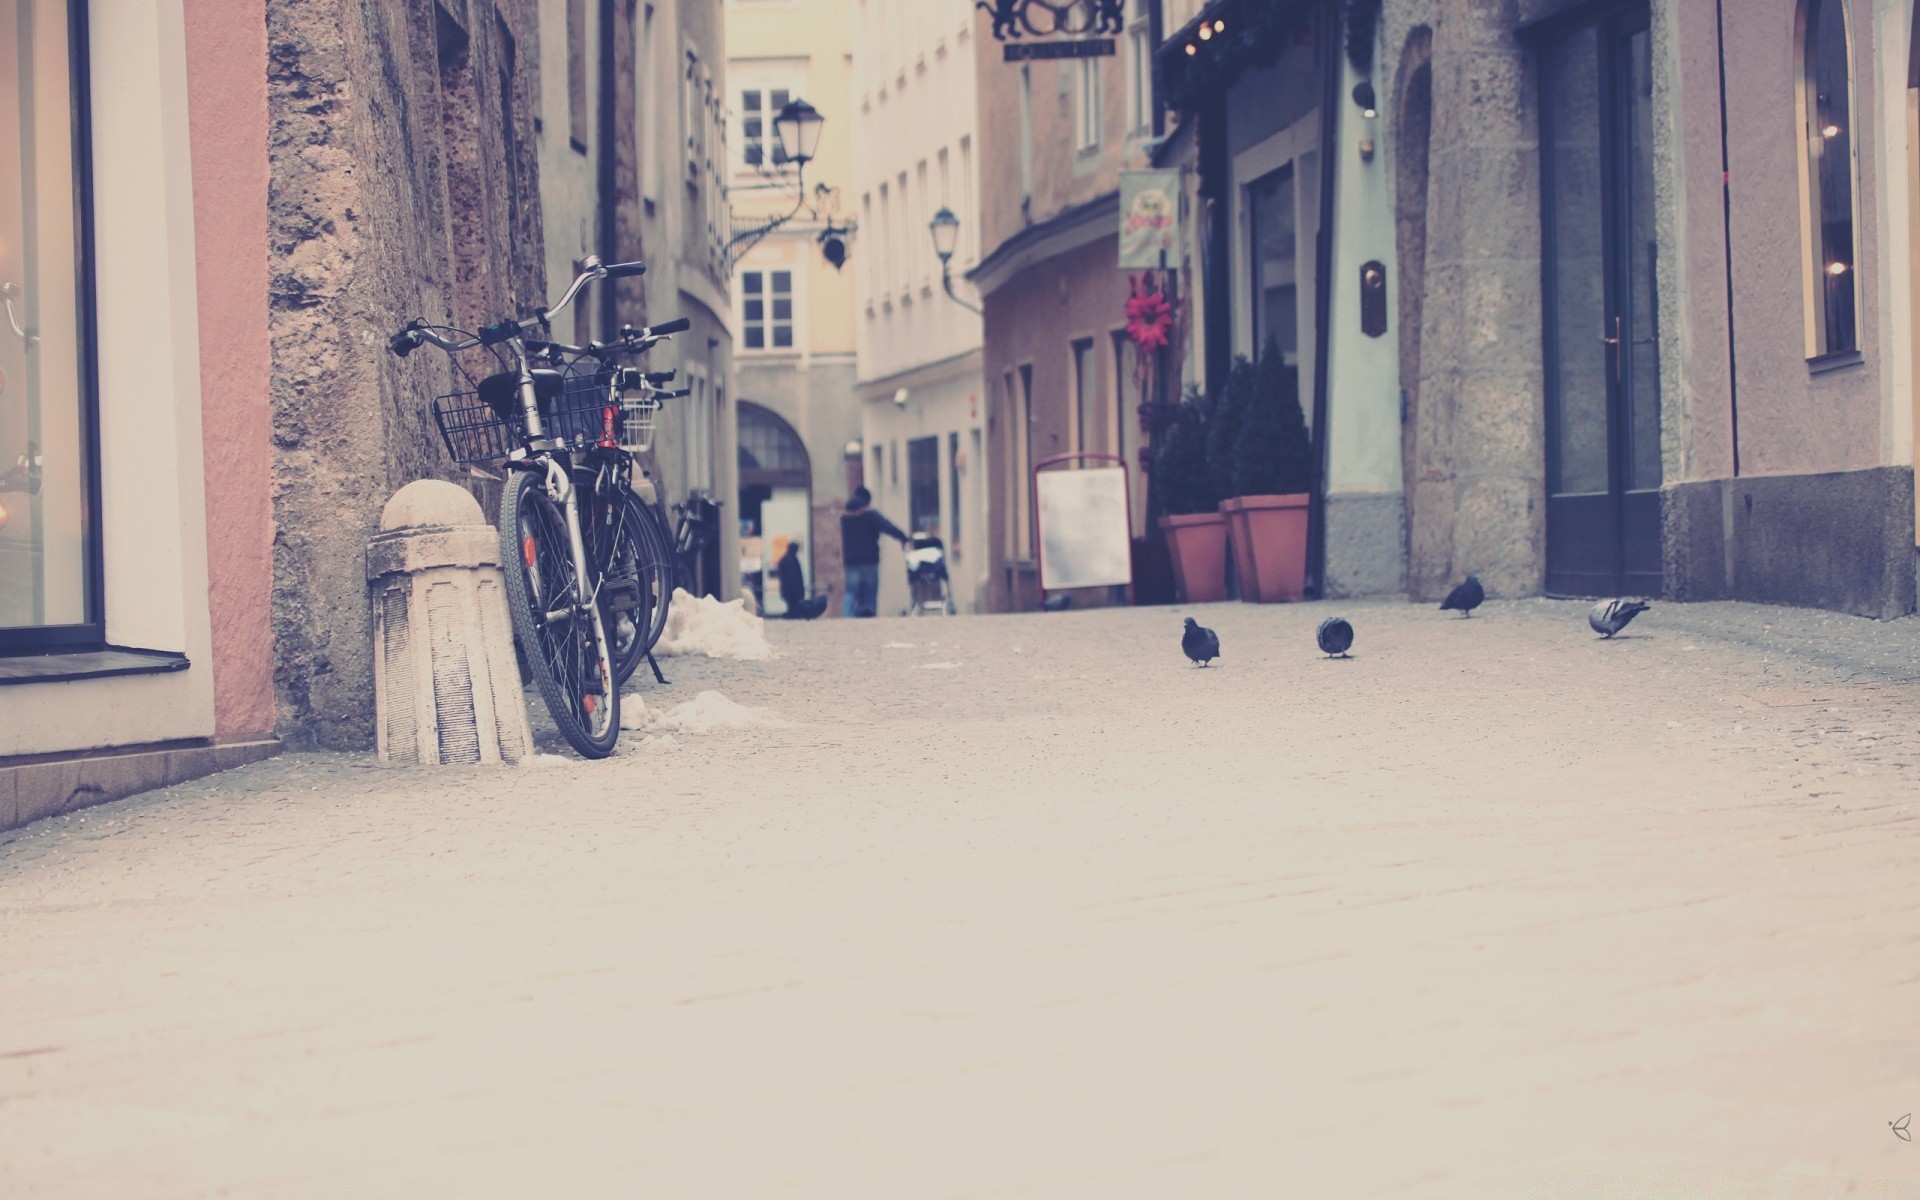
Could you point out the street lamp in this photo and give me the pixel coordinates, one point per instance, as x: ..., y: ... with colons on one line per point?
x: 798, y: 129
x: 945, y: 228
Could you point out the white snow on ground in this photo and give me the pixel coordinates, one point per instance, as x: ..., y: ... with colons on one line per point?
x: 550, y: 760
x: 707, y: 712
x: 702, y: 625
x: 898, y: 646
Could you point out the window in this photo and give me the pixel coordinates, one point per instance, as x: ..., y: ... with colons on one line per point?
x: 1020, y: 431
x: 1083, y: 393
x: 923, y: 485
x: 1275, y: 267
x: 766, y: 309
x: 1123, y: 354
x: 577, y: 74
x: 886, y: 245
x: 1086, y: 106
x: 693, y: 115
x: 1826, y: 103
x: 902, y: 229
x: 1026, y: 133
x: 922, y: 239
x: 953, y: 490
x: 969, y: 229
x: 759, y: 144
x: 1139, y: 78
x: 50, y: 586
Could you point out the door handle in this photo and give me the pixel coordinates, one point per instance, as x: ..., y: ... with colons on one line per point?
x: 1614, y: 342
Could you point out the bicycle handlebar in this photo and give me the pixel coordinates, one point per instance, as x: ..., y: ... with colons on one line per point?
x: 592, y: 269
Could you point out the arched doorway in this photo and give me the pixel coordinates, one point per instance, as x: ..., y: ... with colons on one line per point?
x: 776, y: 502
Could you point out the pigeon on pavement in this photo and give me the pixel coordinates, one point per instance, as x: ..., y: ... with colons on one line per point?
x: 1465, y: 598
x: 1060, y: 603
x: 1611, y: 616
x: 1335, y: 636
x: 1201, y: 644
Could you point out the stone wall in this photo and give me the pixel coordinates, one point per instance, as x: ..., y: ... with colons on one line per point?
x: 402, y: 184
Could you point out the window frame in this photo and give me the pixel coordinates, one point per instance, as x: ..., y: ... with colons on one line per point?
x: 768, y: 324
x: 92, y: 632
x: 1089, y: 106
x: 1821, y: 351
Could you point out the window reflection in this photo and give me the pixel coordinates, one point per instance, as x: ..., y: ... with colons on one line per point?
x: 45, y: 534
x: 1827, y: 99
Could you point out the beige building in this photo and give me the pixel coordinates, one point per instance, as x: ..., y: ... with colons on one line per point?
x: 793, y: 308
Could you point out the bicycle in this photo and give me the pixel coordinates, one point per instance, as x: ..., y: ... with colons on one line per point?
x: 555, y: 432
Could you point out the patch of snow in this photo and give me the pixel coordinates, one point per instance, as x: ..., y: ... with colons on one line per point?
x: 547, y: 760
x: 898, y: 646
x: 707, y: 712
x: 702, y: 625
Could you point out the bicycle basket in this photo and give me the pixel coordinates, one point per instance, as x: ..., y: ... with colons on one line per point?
x: 472, y: 430
x: 637, y: 418
x: 578, y: 414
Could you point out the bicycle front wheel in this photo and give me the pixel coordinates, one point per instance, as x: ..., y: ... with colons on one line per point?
x: 561, y: 632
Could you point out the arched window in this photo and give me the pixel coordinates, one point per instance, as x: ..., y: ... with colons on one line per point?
x: 1827, y: 179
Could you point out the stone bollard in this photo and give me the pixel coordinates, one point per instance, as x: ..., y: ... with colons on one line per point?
x: 446, y: 686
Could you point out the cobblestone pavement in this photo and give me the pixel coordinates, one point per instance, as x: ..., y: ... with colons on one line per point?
x: 1025, y: 906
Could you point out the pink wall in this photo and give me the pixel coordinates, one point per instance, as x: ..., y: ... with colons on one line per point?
x: 227, y: 113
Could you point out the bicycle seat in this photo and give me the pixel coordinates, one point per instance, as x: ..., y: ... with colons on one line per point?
x: 502, y: 392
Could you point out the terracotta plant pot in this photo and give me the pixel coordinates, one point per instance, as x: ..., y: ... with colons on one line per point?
x: 1198, y: 547
x: 1241, y: 584
x: 1270, y: 546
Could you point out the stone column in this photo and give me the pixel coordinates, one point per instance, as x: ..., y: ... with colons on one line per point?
x: 1480, y: 454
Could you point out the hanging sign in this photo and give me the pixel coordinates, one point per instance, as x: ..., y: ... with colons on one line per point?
x: 1149, y: 218
x: 1075, y: 27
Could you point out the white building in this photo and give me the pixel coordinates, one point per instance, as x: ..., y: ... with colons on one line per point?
x: 920, y: 382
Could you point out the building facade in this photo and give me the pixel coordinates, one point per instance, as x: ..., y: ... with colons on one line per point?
x: 921, y: 389
x: 214, y: 214
x: 1664, y: 342
x: 1054, y: 136
x: 135, y: 502
x: 793, y: 304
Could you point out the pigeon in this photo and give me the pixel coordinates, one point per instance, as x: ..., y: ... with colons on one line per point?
x: 1060, y: 603
x: 1611, y: 616
x: 810, y: 608
x: 1335, y: 636
x: 1465, y: 598
x: 1201, y: 644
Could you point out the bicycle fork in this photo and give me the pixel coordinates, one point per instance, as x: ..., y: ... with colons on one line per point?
x: 560, y: 488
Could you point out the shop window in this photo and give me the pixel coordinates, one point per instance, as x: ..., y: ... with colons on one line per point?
x: 50, y: 584
x: 1827, y: 180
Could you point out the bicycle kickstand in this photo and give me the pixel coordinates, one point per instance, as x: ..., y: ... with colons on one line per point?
x: 657, y: 676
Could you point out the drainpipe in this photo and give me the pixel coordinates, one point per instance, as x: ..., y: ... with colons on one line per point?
x: 1726, y: 209
x: 1216, y: 186
x: 1328, y: 47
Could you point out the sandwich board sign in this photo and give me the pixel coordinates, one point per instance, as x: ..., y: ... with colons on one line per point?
x: 1085, y: 523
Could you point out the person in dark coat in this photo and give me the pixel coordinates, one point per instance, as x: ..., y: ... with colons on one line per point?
x: 793, y: 582
x: 860, y: 530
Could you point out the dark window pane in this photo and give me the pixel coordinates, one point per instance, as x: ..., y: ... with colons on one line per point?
x: 783, y: 335
x: 750, y: 101
x: 754, y: 310
x: 1828, y: 98
x: 751, y: 152
x: 750, y: 283
x: 756, y: 337
x: 779, y: 99
x: 783, y: 281
x: 782, y: 309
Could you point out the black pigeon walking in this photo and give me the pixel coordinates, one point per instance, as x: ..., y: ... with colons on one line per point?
x: 1201, y: 644
x: 1611, y: 616
x: 1465, y: 598
x: 1335, y: 636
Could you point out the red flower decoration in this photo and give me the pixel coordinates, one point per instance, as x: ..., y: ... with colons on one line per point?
x: 1149, y: 316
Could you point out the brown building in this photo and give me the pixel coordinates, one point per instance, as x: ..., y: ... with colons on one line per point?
x: 1054, y: 136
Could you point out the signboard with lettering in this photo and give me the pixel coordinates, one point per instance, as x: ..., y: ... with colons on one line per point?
x: 1039, y: 29
x: 1149, y: 219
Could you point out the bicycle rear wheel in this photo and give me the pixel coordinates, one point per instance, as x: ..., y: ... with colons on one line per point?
x: 562, y: 638
x: 639, y: 581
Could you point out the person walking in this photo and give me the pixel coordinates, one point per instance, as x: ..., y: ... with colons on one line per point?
x: 860, y: 530
x: 793, y: 582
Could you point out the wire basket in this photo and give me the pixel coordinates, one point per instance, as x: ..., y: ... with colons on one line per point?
x: 586, y: 411
x: 472, y: 430
x: 638, y: 414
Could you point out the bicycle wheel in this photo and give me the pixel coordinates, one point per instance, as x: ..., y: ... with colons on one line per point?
x: 563, y: 641
x: 638, y: 582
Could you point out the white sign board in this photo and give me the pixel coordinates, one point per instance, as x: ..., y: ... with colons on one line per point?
x: 1085, y: 539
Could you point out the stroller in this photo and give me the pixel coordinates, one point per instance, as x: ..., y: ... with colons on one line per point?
x: 927, y: 576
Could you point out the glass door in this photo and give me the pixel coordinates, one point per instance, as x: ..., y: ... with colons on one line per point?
x: 1601, y: 291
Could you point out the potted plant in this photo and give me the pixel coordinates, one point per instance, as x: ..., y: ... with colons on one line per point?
x: 1271, y: 474
x: 1187, y: 486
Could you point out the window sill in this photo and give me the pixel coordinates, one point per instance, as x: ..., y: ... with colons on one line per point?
x: 103, y: 663
x: 1839, y: 360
